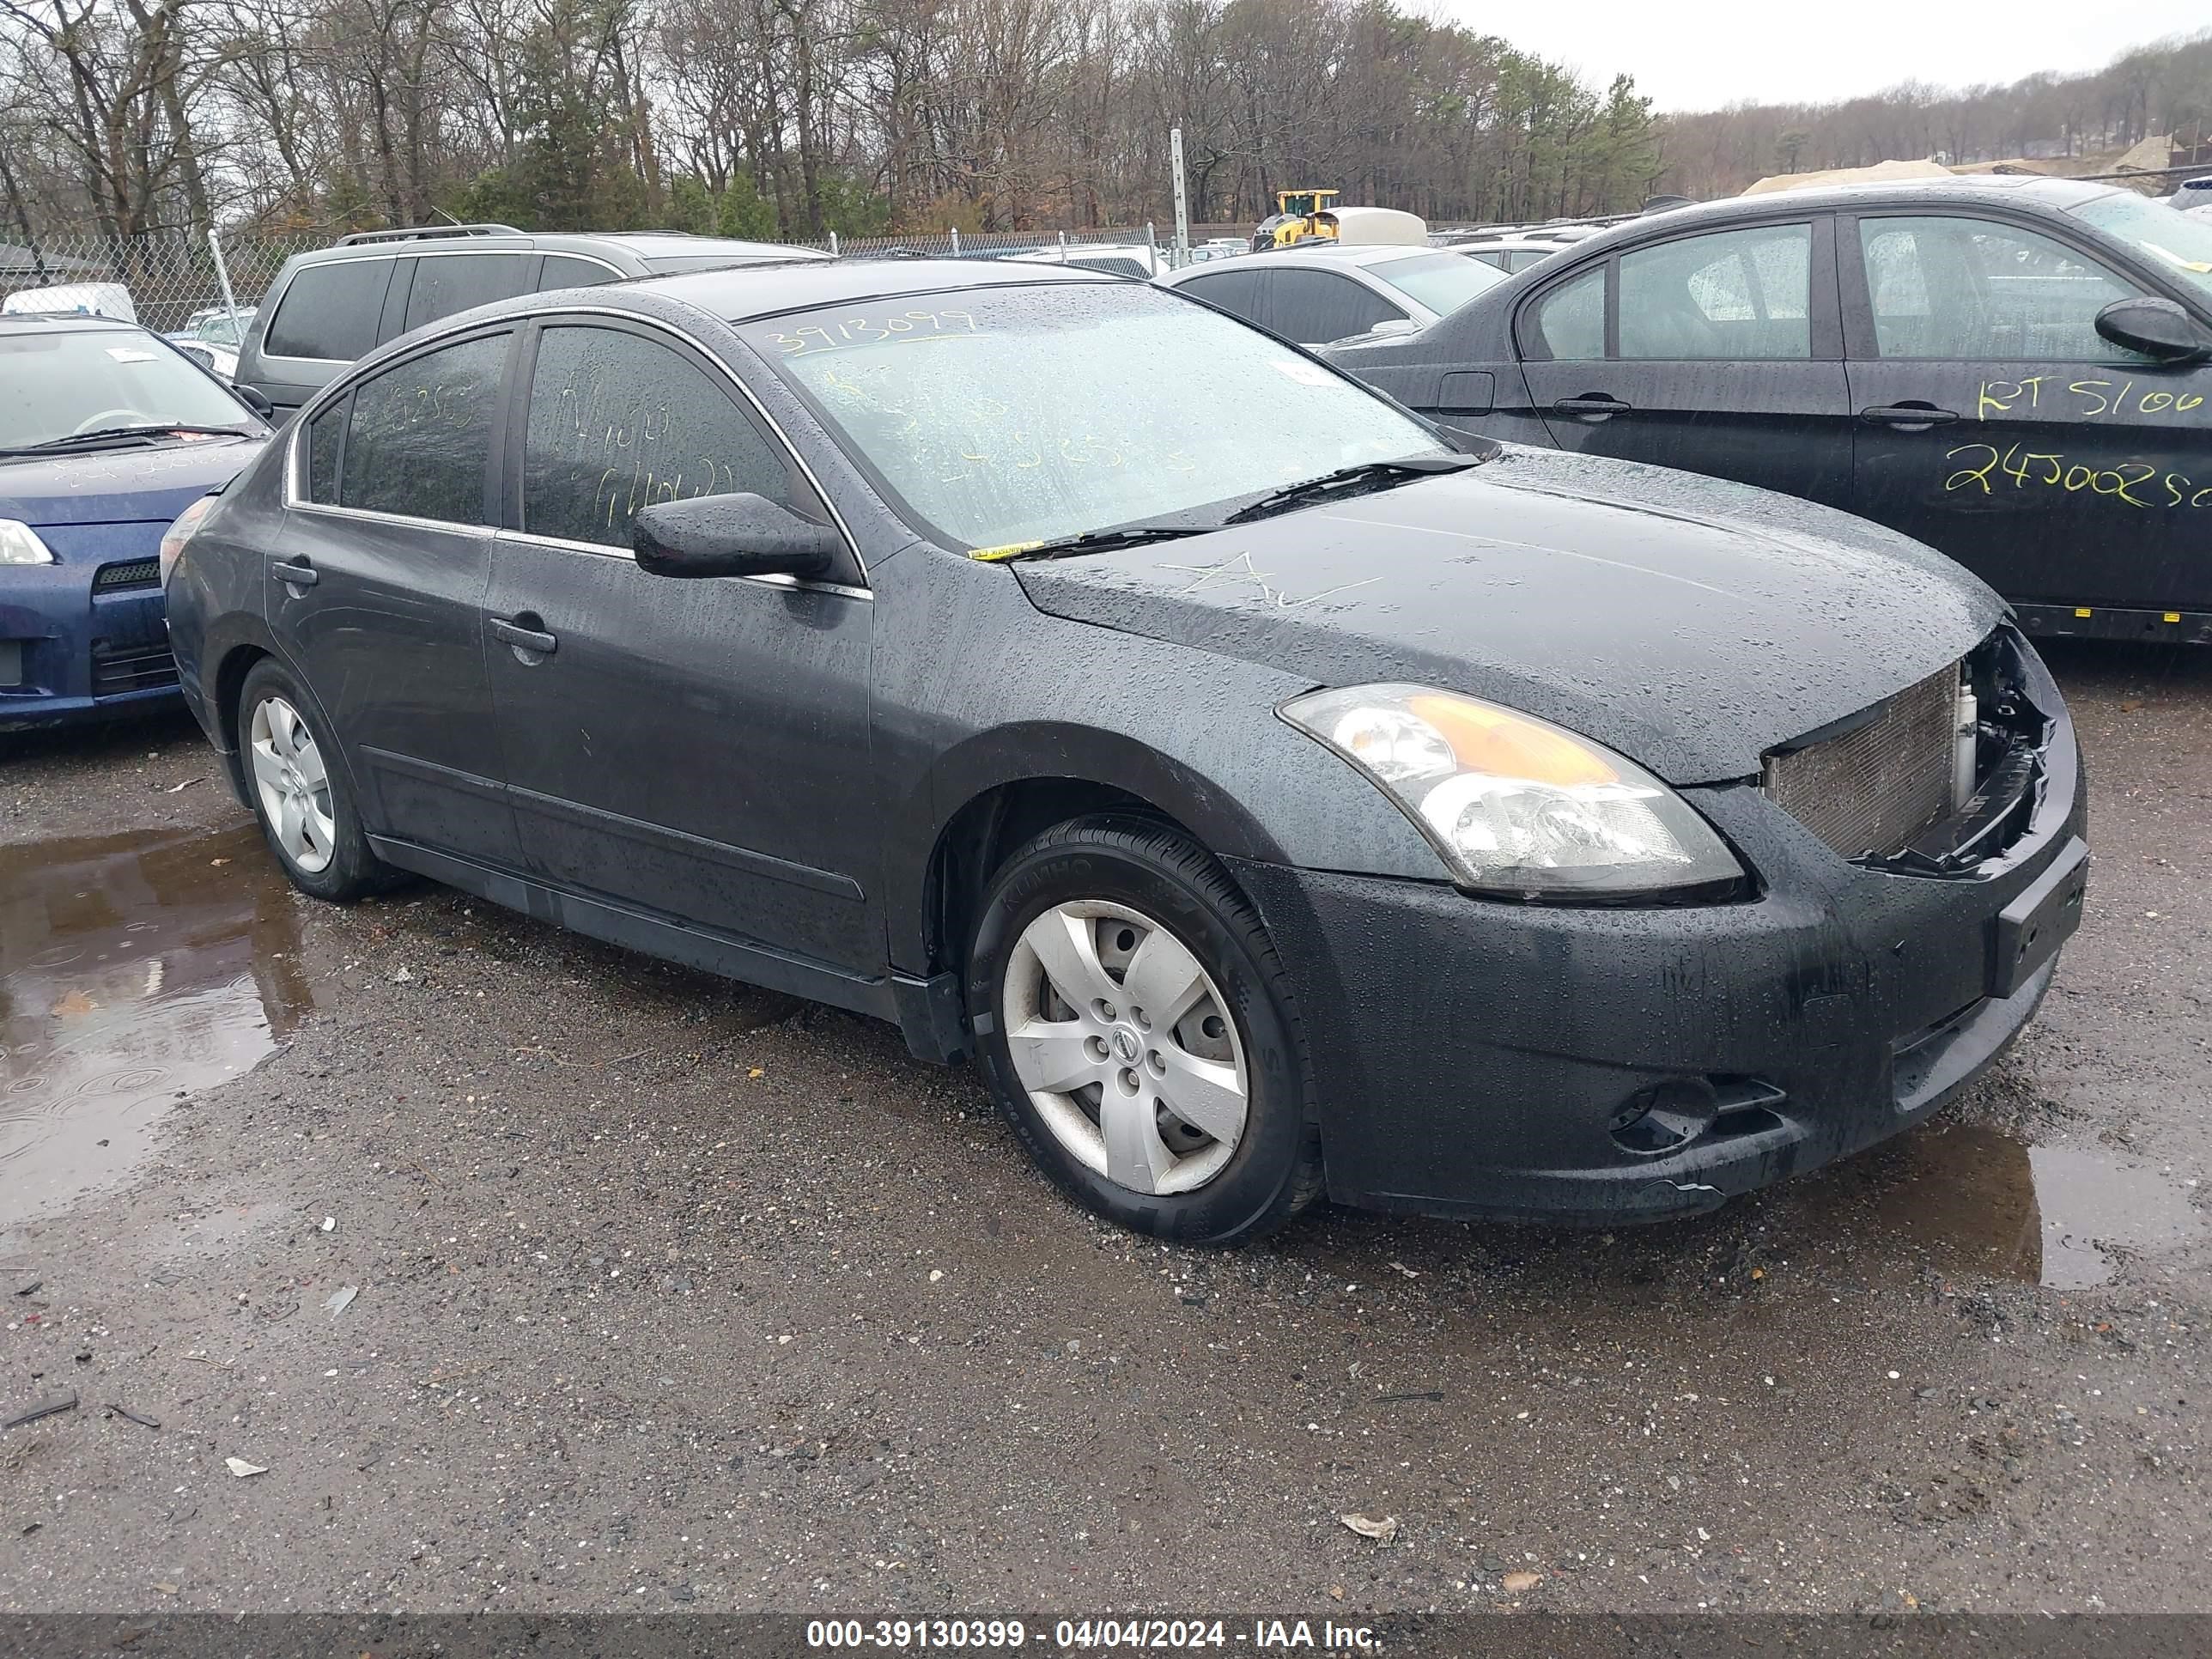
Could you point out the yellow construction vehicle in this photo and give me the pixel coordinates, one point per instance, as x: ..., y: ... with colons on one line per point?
x: 1301, y: 215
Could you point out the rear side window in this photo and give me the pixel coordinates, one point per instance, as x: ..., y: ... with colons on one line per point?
x: 1316, y: 306
x: 562, y: 271
x: 445, y: 283
x: 618, y: 422
x: 1571, y: 319
x: 329, y: 312
x: 420, y: 437
x: 1734, y: 294
x: 1236, y: 291
x: 324, y: 432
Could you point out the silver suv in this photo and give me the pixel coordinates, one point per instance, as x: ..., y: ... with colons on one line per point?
x: 332, y: 306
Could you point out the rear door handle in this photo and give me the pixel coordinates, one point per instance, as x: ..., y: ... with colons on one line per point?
x: 1908, y: 417
x: 299, y: 574
x: 521, y: 638
x: 1593, y: 406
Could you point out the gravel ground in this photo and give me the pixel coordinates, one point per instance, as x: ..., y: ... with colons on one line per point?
x: 668, y: 1292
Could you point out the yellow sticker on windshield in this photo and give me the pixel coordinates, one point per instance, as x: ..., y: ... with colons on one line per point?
x: 2172, y: 258
x: 990, y: 554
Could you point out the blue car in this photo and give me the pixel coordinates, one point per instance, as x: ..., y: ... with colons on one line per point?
x: 107, y: 432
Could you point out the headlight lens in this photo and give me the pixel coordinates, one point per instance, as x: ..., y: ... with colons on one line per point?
x: 1517, y: 805
x: 20, y: 545
x: 181, y: 531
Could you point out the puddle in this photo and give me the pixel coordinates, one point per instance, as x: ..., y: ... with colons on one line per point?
x: 134, y: 969
x: 1979, y: 1201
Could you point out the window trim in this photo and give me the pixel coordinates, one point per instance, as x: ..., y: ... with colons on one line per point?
x: 293, y: 493
x: 1860, y: 343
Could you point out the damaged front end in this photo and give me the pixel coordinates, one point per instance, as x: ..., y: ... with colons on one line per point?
x: 1940, y: 780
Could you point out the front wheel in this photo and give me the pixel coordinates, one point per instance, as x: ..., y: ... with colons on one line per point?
x: 299, y: 792
x: 1137, y: 1029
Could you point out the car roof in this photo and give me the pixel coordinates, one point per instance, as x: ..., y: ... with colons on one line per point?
x: 746, y: 292
x: 642, y: 243
x: 1321, y: 254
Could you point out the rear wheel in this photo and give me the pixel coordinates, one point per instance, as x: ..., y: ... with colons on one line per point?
x: 299, y: 792
x: 1138, y: 1030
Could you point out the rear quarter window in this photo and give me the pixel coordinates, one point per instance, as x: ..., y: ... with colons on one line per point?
x: 329, y: 312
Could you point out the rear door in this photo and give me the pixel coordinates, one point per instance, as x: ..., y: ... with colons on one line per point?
x: 1719, y: 352
x: 376, y: 592
x: 1995, y: 424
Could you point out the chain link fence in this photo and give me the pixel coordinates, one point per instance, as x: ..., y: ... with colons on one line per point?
x: 172, y: 278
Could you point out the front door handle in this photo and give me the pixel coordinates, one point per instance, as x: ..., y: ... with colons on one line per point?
x: 1590, y: 406
x: 297, y: 574
x: 1908, y: 417
x: 522, y: 639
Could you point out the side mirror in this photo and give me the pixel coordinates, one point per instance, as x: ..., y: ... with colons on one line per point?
x: 1391, y: 326
x: 255, y: 399
x: 2159, y: 329
x: 741, y: 535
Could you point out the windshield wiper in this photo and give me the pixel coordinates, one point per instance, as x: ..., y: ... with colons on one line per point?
x: 1093, y: 541
x: 1353, y: 481
x: 113, y: 433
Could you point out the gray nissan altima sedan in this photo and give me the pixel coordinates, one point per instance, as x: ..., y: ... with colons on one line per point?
x: 1272, y: 794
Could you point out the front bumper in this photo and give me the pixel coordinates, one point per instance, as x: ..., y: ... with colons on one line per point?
x: 76, y: 646
x: 1475, y: 1058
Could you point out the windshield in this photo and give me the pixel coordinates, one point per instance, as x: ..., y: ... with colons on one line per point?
x: 53, y: 384
x: 1442, y: 281
x: 1004, y: 416
x: 2178, y: 242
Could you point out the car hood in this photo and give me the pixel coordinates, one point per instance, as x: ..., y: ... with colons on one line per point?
x: 119, y: 486
x: 1688, y: 623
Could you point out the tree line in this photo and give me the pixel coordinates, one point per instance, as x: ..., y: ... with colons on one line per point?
x: 789, y: 118
x: 2164, y: 88
x: 797, y: 117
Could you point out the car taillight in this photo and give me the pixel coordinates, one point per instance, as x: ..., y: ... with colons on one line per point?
x: 175, y: 537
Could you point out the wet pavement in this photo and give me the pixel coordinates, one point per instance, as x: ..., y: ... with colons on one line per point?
x: 667, y: 1292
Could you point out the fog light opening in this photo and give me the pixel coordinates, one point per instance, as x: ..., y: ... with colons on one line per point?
x: 1665, y: 1117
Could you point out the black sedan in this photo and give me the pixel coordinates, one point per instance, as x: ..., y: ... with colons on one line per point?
x: 1272, y: 796
x: 2016, y: 371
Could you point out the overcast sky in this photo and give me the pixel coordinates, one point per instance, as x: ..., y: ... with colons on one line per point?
x: 1725, y: 52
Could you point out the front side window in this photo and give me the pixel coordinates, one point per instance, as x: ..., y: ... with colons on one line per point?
x: 1732, y: 294
x: 419, y: 442
x: 1945, y: 287
x: 448, y: 282
x: 618, y: 422
x: 1571, y: 319
x: 60, y: 383
x: 330, y: 312
x: 1013, y: 415
x: 1442, y: 281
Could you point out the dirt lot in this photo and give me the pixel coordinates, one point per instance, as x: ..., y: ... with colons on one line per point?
x: 665, y: 1292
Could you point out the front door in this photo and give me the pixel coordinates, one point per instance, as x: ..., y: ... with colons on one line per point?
x: 1997, y: 427
x: 377, y: 593
x: 683, y: 748
x: 1717, y: 353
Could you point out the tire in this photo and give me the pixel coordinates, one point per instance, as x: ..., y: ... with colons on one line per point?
x: 300, y: 792
x: 1112, y: 1136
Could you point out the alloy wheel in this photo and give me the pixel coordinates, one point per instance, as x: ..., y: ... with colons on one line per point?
x: 294, y: 784
x: 1126, y: 1046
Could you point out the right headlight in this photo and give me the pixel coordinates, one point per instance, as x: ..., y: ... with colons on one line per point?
x: 1518, y: 807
